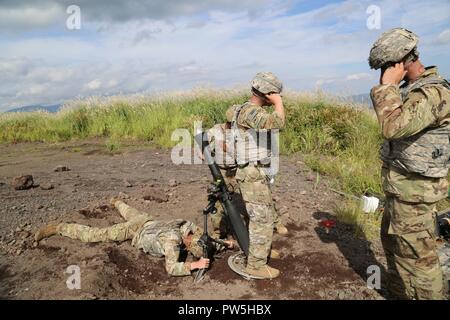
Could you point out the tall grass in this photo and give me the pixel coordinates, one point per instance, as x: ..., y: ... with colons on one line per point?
x: 336, y: 139
x: 120, y: 117
x: 366, y: 225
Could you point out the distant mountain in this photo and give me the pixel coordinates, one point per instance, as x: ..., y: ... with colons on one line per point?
x: 51, y: 108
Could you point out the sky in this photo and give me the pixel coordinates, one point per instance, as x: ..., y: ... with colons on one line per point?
x: 135, y: 46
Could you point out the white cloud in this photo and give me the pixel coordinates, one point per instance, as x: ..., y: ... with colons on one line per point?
x: 14, y: 66
x: 33, y: 90
x: 444, y: 37
x: 325, y: 47
x: 343, y: 82
x: 112, y: 83
x: 94, y: 84
x: 23, y: 18
x: 26, y: 14
x: 358, y: 76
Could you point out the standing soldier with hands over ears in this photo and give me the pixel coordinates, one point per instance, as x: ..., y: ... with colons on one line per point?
x: 414, y: 119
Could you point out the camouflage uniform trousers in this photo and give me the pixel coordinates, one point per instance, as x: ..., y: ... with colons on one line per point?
x: 408, y: 237
x: 255, y: 191
x: 444, y: 258
x: 218, y: 220
x: 135, y: 220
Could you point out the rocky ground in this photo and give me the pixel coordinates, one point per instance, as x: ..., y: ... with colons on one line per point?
x: 73, y: 182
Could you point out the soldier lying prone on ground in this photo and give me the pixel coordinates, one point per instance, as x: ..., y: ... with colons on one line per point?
x: 158, y: 238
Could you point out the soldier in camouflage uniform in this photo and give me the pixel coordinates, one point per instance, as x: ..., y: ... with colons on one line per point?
x: 414, y: 119
x: 248, y: 121
x: 444, y: 246
x: 158, y: 238
x: 218, y: 137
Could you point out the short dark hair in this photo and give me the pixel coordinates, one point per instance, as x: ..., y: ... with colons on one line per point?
x: 258, y: 93
x: 413, y: 55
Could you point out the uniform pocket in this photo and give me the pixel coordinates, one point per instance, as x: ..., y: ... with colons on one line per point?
x: 249, y: 174
x: 256, y: 192
x: 260, y: 215
x: 408, y: 218
x: 416, y: 245
x: 253, y: 185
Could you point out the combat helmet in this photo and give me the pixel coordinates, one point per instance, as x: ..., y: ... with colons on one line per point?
x: 392, y: 47
x: 190, y: 227
x: 266, y: 82
x: 195, y: 247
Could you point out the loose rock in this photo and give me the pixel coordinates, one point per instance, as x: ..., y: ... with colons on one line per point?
x: 127, y: 184
x: 153, y: 194
x: 23, y: 182
x: 173, y: 183
x: 123, y: 195
x: 61, y: 168
x: 47, y: 186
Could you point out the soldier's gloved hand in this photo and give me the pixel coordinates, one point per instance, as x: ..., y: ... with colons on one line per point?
x: 394, y: 74
x: 200, y: 264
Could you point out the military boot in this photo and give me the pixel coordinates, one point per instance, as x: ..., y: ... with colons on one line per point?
x: 113, y: 201
x: 275, y: 254
x: 265, y: 272
x: 47, y: 231
x: 281, y: 229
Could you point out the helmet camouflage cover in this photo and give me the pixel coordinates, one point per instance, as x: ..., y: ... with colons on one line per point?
x: 392, y: 47
x: 188, y: 227
x: 267, y: 82
x: 195, y: 248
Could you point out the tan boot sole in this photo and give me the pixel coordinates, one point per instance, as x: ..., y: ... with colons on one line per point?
x: 254, y: 272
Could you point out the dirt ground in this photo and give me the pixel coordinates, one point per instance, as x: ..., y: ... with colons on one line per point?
x: 315, y: 264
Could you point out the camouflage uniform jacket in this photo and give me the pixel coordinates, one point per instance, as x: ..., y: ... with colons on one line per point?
x: 254, y: 141
x: 220, y: 139
x: 422, y: 108
x: 164, y: 238
x: 255, y: 117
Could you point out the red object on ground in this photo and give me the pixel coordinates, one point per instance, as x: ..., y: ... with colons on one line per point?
x: 327, y: 223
